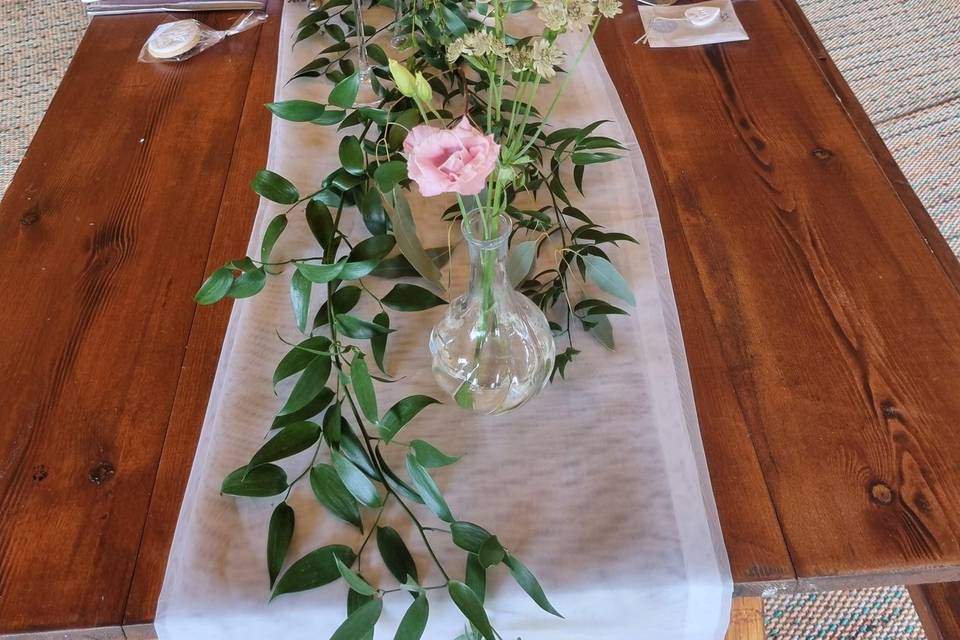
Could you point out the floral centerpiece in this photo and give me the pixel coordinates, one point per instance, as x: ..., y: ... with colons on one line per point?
x: 457, y: 116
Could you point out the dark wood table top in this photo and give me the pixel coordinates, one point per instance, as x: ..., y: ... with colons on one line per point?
x: 819, y: 306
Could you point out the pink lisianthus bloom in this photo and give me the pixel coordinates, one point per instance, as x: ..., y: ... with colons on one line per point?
x: 454, y: 160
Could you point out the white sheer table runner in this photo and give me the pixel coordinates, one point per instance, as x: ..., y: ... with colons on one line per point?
x: 599, y: 485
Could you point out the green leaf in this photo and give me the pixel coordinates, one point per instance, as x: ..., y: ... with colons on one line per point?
x: 520, y: 261
x: 291, y: 440
x: 608, y: 278
x: 265, y: 480
x: 351, y: 155
x: 345, y: 93
x: 476, y: 576
x: 401, y: 413
x: 529, y: 583
x: 279, y: 534
x: 394, y: 481
x: 311, y: 382
x: 586, y: 157
x: 320, y: 222
x: 300, y: 299
x: 352, y: 448
x: 320, y: 273
x: 428, y: 489
x: 356, y: 583
x: 429, y: 456
x: 299, y: 357
x: 410, y: 297
x: 390, y: 174
x: 355, y: 481
x: 414, y: 621
x: 400, y: 267
x: 359, y: 623
x: 296, y: 110
x: 311, y: 410
x: 274, y: 187
x: 600, y: 328
x: 405, y: 230
x: 468, y: 536
x: 313, y: 570
x: 248, y: 283
x: 344, y: 299
x: 330, y: 492
x: 363, y: 388
x: 378, y: 342
x: 333, y: 424
x: 396, y: 555
x: 215, y: 287
x: 366, y: 255
x: 468, y: 603
x: 491, y: 552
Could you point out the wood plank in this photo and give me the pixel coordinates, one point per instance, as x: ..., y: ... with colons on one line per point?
x: 234, y: 225
x: 938, y: 606
x: 746, y: 620
x: 837, y: 326
x: 106, y: 229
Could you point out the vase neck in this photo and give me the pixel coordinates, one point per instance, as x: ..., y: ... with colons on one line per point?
x: 487, y: 239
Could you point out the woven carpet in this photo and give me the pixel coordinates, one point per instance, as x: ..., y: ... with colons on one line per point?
x: 900, y: 57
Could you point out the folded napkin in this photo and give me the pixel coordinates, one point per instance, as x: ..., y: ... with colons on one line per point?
x: 671, y: 26
x: 117, y: 7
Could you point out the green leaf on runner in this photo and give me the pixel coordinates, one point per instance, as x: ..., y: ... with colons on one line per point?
x: 300, y: 289
x: 363, y: 388
x: 520, y: 261
x: 270, y: 236
x: 311, y: 382
x: 333, y: 495
x: 313, y: 570
x: 471, y: 607
x: 345, y: 93
x: 263, y: 481
x: 291, y: 440
x: 410, y: 297
x: 279, y: 534
x: 396, y: 555
x: 356, y: 583
x: 401, y: 413
x: 361, y: 622
x: 414, y: 621
x: 355, y: 481
x: 296, y: 110
x: 528, y: 582
x: 215, y: 287
x: 428, y: 489
x: 606, y: 276
x: 429, y: 456
x: 274, y: 187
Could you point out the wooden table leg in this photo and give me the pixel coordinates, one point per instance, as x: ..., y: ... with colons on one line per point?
x: 746, y: 620
x: 938, y: 606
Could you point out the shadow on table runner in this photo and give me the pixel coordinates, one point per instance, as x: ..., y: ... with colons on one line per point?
x: 599, y: 485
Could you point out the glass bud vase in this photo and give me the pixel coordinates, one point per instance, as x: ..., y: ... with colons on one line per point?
x: 493, y: 349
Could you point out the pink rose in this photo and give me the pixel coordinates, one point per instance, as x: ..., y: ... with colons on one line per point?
x: 450, y: 160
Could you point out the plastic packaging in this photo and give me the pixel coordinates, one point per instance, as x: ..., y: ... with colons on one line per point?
x: 179, y: 40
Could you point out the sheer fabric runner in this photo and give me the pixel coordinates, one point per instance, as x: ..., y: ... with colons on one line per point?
x: 599, y: 485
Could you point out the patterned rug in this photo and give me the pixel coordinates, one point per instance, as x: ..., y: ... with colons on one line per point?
x: 900, y: 57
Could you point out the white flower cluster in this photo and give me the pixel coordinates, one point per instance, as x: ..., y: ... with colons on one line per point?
x: 539, y: 56
x: 575, y: 15
x: 479, y: 44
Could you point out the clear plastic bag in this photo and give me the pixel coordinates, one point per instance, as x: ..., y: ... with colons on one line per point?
x: 179, y: 40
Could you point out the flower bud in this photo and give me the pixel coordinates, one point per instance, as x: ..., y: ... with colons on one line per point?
x: 424, y: 92
x: 403, y: 79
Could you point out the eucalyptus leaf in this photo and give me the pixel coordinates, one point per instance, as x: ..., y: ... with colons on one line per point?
x: 356, y: 583
x: 528, y: 582
x: 401, y: 413
x: 313, y: 570
x: 428, y: 489
x: 414, y: 621
x: 333, y: 495
x: 279, y: 534
x: 471, y: 607
x: 396, y: 555
x: 261, y: 482
x: 429, y: 456
x: 606, y: 276
x: 274, y: 187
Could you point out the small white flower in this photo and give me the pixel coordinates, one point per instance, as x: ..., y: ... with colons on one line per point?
x: 609, y: 8
x: 544, y: 57
x: 580, y: 14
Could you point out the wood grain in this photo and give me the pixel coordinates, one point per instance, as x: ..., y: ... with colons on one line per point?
x: 234, y: 224
x: 803, y: 281
x: 106, y: 229
x: 746, y: 620
x: 938, y: 606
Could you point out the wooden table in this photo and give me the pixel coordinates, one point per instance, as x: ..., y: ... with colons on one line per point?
x: 820, y: 310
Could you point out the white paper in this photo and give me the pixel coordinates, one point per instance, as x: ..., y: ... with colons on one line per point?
x: 599, y: 485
